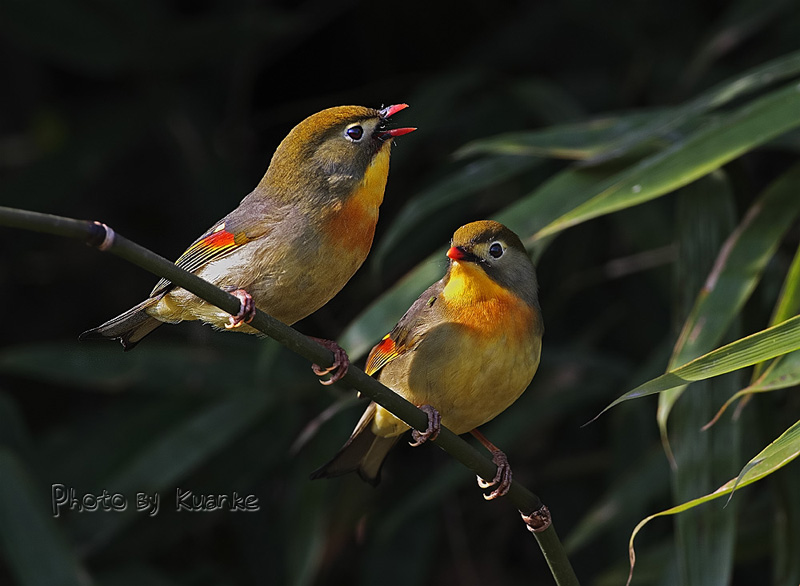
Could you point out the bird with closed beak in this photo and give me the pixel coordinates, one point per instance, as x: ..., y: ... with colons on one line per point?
x: 464, y: 351
x: 294, y: 241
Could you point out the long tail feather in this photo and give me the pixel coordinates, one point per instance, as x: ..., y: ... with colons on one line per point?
x: 129, y: 328
x: 363, y: 453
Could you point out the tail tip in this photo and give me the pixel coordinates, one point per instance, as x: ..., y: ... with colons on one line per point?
x: 96, y: 334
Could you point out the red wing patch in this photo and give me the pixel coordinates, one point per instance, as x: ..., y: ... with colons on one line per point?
x: 217, y: 239
x: 214, y: 245
x: 382, y: 354
x: 210, y: 247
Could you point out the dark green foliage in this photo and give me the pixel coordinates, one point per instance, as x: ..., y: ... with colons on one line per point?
x: 158, y: 117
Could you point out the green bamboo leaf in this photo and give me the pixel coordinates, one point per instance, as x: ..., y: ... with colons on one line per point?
x: 470, y: 179
x: 789, y: 298
x: 735, y: 274
x: 32, y: 544
x: 738, y: 267
x: 544, y: 99
x: 754, y: 80
x: 578, y: 141
x: 371, y: 325
x: 562, y: 192
x: 700, y: 462
x: 190, y: 442
x: 159, y: 466
x: 786, y: 537
x: 788, y: 303
x: 775, y: 456
x: 556, y: 196
x: 782, y: 372
x: 706, y: 150
x: 155, y: 367
x: 305, y: 541
x: 775, y: 341
x: 614, y: 136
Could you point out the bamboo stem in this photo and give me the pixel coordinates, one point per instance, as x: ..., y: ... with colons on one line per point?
x: 100, y: 236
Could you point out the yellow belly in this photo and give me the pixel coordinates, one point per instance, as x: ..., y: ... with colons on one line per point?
x: 296, y: 283
x: 470, y: 368
x: 292, y: 275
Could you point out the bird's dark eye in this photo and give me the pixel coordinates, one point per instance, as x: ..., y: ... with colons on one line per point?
x: 354, y: 133
x: 496, y: 250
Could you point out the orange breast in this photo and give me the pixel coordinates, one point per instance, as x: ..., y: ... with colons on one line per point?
x: 489, y: 310
x: 350, y: 225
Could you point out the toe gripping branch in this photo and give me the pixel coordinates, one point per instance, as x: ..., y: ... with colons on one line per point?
x: 502, y: 478
x: 432, y: 431
x: 247, y: 309
x: 341, y: 362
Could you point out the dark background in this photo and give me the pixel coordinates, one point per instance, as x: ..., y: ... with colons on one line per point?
x: 158, y: 117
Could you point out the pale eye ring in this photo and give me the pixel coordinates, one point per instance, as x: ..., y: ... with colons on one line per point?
x: 496, y: 250
x: 354, y: 133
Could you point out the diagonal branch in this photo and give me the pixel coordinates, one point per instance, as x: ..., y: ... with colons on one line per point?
x: 100, y: 236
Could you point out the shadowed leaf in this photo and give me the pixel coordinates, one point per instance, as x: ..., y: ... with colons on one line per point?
x: 776, y: 455
x: 709, y: 148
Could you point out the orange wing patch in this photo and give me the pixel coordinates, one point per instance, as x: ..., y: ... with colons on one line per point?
x: 217, y: 239
x: 214, y: 245
x: 210, y: 247
x: 382, y: 354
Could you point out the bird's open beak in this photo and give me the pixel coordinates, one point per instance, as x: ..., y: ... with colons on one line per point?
x: 387, y: 113
x: 390, y: 111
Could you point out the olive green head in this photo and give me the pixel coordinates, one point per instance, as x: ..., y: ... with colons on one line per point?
x: 500, y: 253
x: 330, y: 151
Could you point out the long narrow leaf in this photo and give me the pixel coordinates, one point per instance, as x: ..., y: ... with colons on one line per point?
x: 788, y: 302
x: 614, y: 136
x: 464, y: 182
x: 160, y: 466
x: 789, y: 299
x: 562, y: 192
x: 763, y: 345
x: 776, y: 455
x: 755, y: 79
x: 705, y: 539
x: 706, y: 150
x: 578, y: 141
x: 735, y: 274
x: 783, y: 372
x: 33, y: 546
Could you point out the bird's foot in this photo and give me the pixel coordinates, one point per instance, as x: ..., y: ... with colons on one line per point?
x: 247, y: 310
x: 538, y: 520
x: 431, y: 432
x: 501, y: 480
x: 341, y: 362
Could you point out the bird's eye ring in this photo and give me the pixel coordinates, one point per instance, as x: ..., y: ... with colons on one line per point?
x: 354, y: 133
x: 496, y: 250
